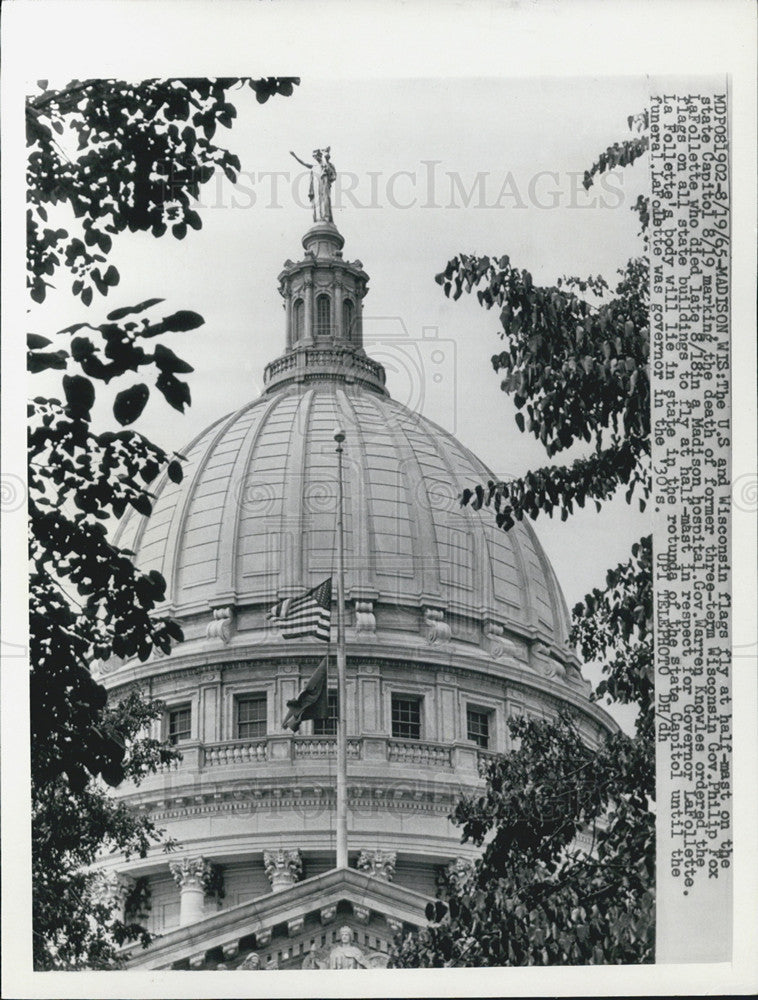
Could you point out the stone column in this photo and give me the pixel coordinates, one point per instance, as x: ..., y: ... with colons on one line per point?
x: 359, y: 294
x: 190, y: 875
x: 338, y: 333
x: 380, y: 864
x: 283, y: 868
x: 308, y: 335
x: 290, y: 333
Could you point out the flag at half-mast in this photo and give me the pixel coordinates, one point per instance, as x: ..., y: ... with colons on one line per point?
x: 309, y: 614
x: 312, y: 702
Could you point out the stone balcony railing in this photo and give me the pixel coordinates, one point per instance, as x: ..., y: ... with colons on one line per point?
x: 305, y: 361
x: 420, y: 754
x: 234, y: 752
x: 272, y: 750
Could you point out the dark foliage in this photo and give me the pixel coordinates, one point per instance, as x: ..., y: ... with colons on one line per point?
x: 115, y: 156
x: 576, y: 364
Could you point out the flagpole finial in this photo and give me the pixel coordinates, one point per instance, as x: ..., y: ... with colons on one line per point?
x: 339, y: 434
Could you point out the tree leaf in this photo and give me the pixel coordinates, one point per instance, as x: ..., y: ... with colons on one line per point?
x: 167, y: 361
x: 176, y: 393
x: 117, y: 314
x: 182, y: 321
x: 80, y: 394
x: 34, y: 341
x: 38, y: 362
x: 130, y: 403
x: 175, y: 472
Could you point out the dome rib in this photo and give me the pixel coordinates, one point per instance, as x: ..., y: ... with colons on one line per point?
x: 175, y: 552
x: 438, y: 522
x: 292, y: 523
x: 257, y: 543
x: 561, y: 617
x: 423, y: 535
x: 362, y: 573
x: 526, y: 590
x: 226, y: 575
x: 139, y: 522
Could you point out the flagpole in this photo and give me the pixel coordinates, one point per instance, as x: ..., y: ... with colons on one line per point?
x: 339, y: 437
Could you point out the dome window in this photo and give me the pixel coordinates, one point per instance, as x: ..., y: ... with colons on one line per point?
x: 323, y: 316
x: 179, y: 724
x: 406, y: 717
x: 298, y: 320
x: 348, y: 318
x: 251, y: 717
x: 328, y: 726
x: 478, y: 727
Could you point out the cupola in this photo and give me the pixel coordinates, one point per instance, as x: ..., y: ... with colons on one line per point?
x: 323, y: 300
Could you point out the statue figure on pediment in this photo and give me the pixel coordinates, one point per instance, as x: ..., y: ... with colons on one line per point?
x: 251, y: 964
x: 315, y: 959
x: 345, y: 954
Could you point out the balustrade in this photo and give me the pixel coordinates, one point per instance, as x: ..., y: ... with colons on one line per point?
x: 418, y: 753
x: 323, y: 746
x: 275, y: 749
x: 235, y: 752
x: 326, y: 357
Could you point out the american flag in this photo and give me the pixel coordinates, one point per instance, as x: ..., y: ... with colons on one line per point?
x: 310, y: 614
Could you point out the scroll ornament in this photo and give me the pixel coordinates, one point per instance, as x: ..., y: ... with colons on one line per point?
x: 546, y: 664
x: 437, y: 629
x: 221, y: 626
x: 365, y: 621
x: 496, y: 642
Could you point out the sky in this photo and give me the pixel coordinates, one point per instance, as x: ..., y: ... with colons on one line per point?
x: 427, y: 168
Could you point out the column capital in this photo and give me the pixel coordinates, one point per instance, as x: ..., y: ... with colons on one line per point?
x: 190, y: 872
x: 459, y: 871
x: 378, y: 863
x: 283, y: 867
x: 110, y: 888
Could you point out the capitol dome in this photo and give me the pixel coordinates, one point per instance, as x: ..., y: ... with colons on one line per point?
x: 452, y: 626
x: 254, y: 519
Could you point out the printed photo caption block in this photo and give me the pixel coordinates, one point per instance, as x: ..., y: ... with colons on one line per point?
x: 690, y: 285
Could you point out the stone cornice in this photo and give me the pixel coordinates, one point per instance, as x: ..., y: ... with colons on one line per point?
x: 458, y: 662
x: 245, y: 796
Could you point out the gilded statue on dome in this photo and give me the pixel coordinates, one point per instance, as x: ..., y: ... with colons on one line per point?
x: 323, y: 175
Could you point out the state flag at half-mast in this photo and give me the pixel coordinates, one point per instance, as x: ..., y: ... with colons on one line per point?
x: 312, y: 702
x: 309, y: 614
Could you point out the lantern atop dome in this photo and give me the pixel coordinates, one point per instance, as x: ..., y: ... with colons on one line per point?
x: 323, y: 300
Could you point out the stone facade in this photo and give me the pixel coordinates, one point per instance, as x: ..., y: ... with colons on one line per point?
x: 452, y: 627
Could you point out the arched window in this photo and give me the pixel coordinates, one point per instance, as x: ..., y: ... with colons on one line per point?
x: 298, y: 321
x: 348, y: 317
x: 323, y: 316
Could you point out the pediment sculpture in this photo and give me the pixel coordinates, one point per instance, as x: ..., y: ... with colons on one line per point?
x: 345, y: 954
